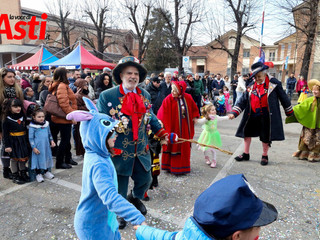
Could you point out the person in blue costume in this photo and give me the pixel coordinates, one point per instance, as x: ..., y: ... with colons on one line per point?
x: 228, y: 210
x: 100, y: 202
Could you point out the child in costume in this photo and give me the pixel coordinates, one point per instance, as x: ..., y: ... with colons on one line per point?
x: 221, y: 103
x: 100, y: 201
x: 15, y: 140
x: 41, y: 140
x: 307, y: 114
x: 210, y: 134
x: 303, y: 95
x: 227, y: 96
x: 228, y: 209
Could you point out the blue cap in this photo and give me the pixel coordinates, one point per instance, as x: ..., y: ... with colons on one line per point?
x: 257, y: 67
x: 230, y: 205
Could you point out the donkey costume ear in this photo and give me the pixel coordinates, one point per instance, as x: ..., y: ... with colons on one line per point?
x: 90, y: 105
x: 79, y: 116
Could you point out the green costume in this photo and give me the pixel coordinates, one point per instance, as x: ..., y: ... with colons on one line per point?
x: 309, y: 143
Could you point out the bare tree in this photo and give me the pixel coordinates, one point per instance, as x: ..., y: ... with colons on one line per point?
x: 185, y: 15
x: 139, y: 15
x: 60, y: 11
x: 244, y: 20
x: 97, y: 12
x: 305, y: 22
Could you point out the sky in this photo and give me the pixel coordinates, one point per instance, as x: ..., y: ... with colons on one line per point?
x: 273, y: 31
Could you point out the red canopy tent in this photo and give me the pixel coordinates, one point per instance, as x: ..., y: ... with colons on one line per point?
x: 81, y: 58
x: 43, y: 56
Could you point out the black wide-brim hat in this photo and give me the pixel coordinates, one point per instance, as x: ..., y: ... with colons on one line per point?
x: 125, y: 62
x: 257, y: 67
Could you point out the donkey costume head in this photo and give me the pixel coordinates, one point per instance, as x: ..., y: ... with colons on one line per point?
x: 94, y: 127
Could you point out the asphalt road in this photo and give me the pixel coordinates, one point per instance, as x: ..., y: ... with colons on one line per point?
x: 46, y: 210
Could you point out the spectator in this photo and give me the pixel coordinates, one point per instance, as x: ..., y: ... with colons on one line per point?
x: 25, y: 82
x: 291, y: 83
x: 234, y: 84
x: 35, y: 84
x: 154, y: 90
x: 302, y: 83
x: 102, y: 83
x: 29, y: 94
x: 198, y: 91
x: 217, y: 84
x: 43, y: 89
x: 65, y: 96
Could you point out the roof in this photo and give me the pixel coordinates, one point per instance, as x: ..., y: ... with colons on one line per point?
x: 41, y: 57
x: 293, y: 35
x: 231, y: 32
x: 81, y: 58
x: 198, y: 51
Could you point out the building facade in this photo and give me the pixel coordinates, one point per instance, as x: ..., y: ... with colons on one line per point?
x: 13, y: 51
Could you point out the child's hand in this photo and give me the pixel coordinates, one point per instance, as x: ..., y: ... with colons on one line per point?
x: 36, y: 151
x: 136, y: 226
x: 53, y: 144
x: 8, y: 150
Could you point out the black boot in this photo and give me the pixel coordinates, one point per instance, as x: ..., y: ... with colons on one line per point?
x: 24, y: 176
x: 7, y: 173
x: 243, y: 157
x: 122, y: 222
x: 137, y: 203
x: 17, y: 179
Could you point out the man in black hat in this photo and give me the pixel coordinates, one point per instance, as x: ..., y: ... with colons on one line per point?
x: 132, y: 106
x: 262, y: 116
x: 228, y: 210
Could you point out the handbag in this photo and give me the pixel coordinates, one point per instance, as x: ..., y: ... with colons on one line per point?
x: 52, y: 106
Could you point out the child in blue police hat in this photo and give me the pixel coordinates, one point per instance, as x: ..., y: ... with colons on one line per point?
x: 227, y: 210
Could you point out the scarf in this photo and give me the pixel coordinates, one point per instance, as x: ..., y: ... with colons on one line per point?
x: 10, y: 92
x: 37, y: 123
x: 259, y: 96
x: 133, y: 106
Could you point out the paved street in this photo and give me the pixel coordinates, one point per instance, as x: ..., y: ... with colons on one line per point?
x: 45, y: 210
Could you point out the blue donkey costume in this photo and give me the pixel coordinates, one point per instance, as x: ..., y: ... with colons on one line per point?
x: 100, y: 202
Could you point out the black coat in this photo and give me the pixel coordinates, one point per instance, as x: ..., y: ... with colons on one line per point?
x: 275, y: 94
x: 154, y: 93
x: 164, y: 91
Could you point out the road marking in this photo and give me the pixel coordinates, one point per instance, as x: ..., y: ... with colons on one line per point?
x: 221, y: 174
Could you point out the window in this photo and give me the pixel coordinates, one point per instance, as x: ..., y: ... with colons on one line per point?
x: 245, y: 71
x: 272, y: 56
x: 246, y: 53
x: 281, y: 52
x: 289, y: 50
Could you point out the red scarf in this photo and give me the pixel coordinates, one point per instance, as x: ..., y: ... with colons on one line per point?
x: 259, y: 95
x: 133, y: 106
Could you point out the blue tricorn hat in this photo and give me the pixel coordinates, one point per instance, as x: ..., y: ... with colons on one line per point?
x: 229, y: 205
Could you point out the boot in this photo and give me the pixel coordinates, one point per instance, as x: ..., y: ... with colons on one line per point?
x: 7, y: 173
x: 17, y: 179
x: 24, y: 176
x: 243, y: 157
x: 122, y: 222
x: 146, y: 197
x: 137, y: 203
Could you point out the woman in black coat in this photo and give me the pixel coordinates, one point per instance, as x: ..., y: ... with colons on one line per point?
x: 104, y: 82
x: 262, y: 117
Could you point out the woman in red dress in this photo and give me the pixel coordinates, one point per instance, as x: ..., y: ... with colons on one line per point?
x: 177, y: 113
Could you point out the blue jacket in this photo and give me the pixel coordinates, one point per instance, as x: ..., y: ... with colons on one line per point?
x: 110, y: 102
x: 191, y: 230
x: 291, y: 83
x: 100, y: 202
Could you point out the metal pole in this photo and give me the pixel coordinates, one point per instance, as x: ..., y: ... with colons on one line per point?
x: 262, y: 26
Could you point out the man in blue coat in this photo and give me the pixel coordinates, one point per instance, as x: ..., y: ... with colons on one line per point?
x: 131, y: 105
